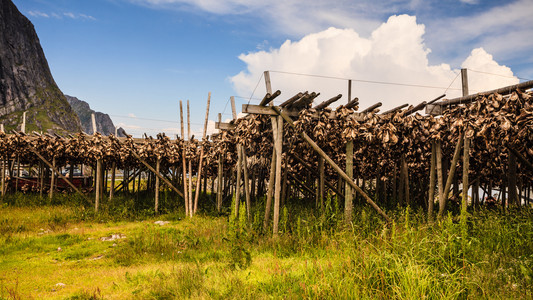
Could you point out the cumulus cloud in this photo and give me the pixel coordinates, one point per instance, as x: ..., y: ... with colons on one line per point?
x: 395, y: 53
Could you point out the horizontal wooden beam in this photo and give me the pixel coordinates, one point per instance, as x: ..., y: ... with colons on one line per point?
x: 224, y: 126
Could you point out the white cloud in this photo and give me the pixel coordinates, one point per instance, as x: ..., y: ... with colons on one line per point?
x: 132, y: 115
x: 35, y: 13
x: 470, y: 1
x: 395, y: 52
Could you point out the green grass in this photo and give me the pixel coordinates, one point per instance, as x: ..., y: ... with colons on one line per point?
x: 316, y: 256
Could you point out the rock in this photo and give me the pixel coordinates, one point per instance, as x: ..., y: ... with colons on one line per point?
x: 113, y: 237
x: 161, y: 223
x: 104, y: 124
x: 26, y: 83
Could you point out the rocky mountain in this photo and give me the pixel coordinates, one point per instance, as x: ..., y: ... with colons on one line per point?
x: 104, y: 125
x: 26, y: 83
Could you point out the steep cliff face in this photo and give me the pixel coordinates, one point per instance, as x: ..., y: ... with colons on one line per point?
x: 26, y: 83
x: 104, y: 125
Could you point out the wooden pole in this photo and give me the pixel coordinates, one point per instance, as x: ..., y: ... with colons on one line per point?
x: 466, y: 166
x: 432, y: 179
x: 191, y: 205
x: 246, y: 184
x: 456, y: 155
x: 238, y: 183
x: 464, y: 80
x: 112, y: 187
x: 272, y: 178
x: 93, y: 121
x: 166, y: 181
x: 3, y: 176
x: 185, y: 194
x: 406, y: 181
x: 333, y: 164
x: 98, y: 183
x: 322, y: 178
x: 277, y: 186
x: 219, y: 182
x: 52, y: 179
x: 202, y: 154
x: 511, y: 179
x: 157, y: 169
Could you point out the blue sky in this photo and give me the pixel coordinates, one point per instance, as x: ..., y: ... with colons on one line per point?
x: 140, y: 57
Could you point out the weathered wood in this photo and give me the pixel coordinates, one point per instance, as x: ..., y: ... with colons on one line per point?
x: 202, y: 154
x: 502, y: 91
x: 219, y: 182
x: 292, y: 99
x: 3, y: 176
x: 464, y: 82
x: 432, y: 181
x: 466, y: 167
x: 112, y: 186
x: 520, y: 157
x: 269, y: 98
x: 166, y: 181
x: 511, y: 179
x: 440, y: 176
x: 52, y: 179
x: 157, y: 169
x: 246, y: 184
x: 372, y: 108
x: 238, y: 183
x: 352, y: 103
x: 191, y: 205
x: 277, y: 187
x: 98, y: 183
x: 406, y: 181
x: 348, y: 201
x: 225, y: 126
x: 185, y: 193
x: 333, y: 165
x: 397, y: 108
x: 93, y: 122
x: 321, y: 179
x: 328, y: 102
x: 451, y: 173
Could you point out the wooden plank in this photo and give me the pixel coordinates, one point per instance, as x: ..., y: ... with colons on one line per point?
x: 98, y: 183
x: 238, y: 183
x: 225, y: 126
x: 432, y: 181
x: 334, y: 165
x: 466, y: 167
x: 52, y: 178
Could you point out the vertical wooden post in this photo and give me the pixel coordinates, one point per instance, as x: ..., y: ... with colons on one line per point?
x: 406, y: 181
x: 456, y: 155
x: 17, y: 174
x: 93, y: 121
x: 272, y: 177
x: 321, y: 181
x: 184, y: 168
x: 233, y: 109
x: 432, y: 181
x: 466, y: 166
x: 98, y: 183
x: 246, y: 184
x: 202, y: 154
x: 157, y: 168
x: 464, y: 80
x: 3, y: 176
x: 238, y: 181
x: 52, y: 179
x: 112, y: 187
x: 219, y: 182
x: 23, y: 127
x: 511, y: 179
x: 440, y: 177
x: 277, y: 187
x: 191, y: 205
x: 348, y: 194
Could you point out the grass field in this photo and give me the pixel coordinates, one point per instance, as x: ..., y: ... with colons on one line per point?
x: 65, y: 251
